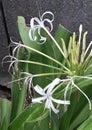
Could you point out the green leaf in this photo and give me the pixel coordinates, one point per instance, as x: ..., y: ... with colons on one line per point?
x: 65, y: 34
x: 5, y: 110
x: 32, y: 113
x: 86, y: 125
x: 18, y: 87
x: 78, y: 111
x: 48, y: 123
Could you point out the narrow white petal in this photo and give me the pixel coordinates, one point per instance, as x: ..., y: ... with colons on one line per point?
x: 53, y: 108
x: 66, y: 102
x: 50, y: 105
x: 43, y: 39
x: 38, y: 100
x: 53, y: 84
x: 46, y: 87
x: 47, y: 104
x: 50, y: 23
x: 39, y: 90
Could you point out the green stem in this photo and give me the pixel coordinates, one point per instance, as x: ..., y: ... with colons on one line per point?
x: 90, y: 66
x: 54, y: 41
x: 84, y: 77
x: 82, y: 93
x: 32, y: 49
x: 41, y: 64
x: 46, y: 74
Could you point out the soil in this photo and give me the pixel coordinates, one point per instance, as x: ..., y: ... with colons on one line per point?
x: 5, y: 92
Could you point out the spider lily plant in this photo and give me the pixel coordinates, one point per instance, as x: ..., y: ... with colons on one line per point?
x: 51, y: 80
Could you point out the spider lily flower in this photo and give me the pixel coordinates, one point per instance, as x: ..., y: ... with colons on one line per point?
x: 46, y: 95
x: 37, y: 23
x: 12, y: 62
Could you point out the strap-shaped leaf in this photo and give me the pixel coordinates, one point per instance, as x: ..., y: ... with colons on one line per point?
x: 5, y: 110
x: 61, y: 33
x: 87, y: 125
x: 78, y: 111
x: 32, y: 113
x: 18, y: 87
x: 48, y: 123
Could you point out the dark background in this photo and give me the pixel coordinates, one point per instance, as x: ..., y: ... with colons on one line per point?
x: 70, y: 13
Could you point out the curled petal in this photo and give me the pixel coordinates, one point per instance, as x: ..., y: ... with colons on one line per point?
x: 35, y: 22
x: 15, y: 49
x: 46, y: 13
x: 14, y: 43
x: 12, y: 61
x: 32, y: 35
x: 11, y: 66
x: 42, y: 39
x: 50, y: 23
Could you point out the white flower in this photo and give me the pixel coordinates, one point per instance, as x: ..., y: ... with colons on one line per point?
x: 46, y: 95
x: 13, y: 62
x: 37, y: 23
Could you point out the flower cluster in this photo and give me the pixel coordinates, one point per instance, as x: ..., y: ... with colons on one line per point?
x: 74, y: 67
x: 72, y: 56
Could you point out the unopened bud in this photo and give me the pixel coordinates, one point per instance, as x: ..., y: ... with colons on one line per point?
x: 80, y: 28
